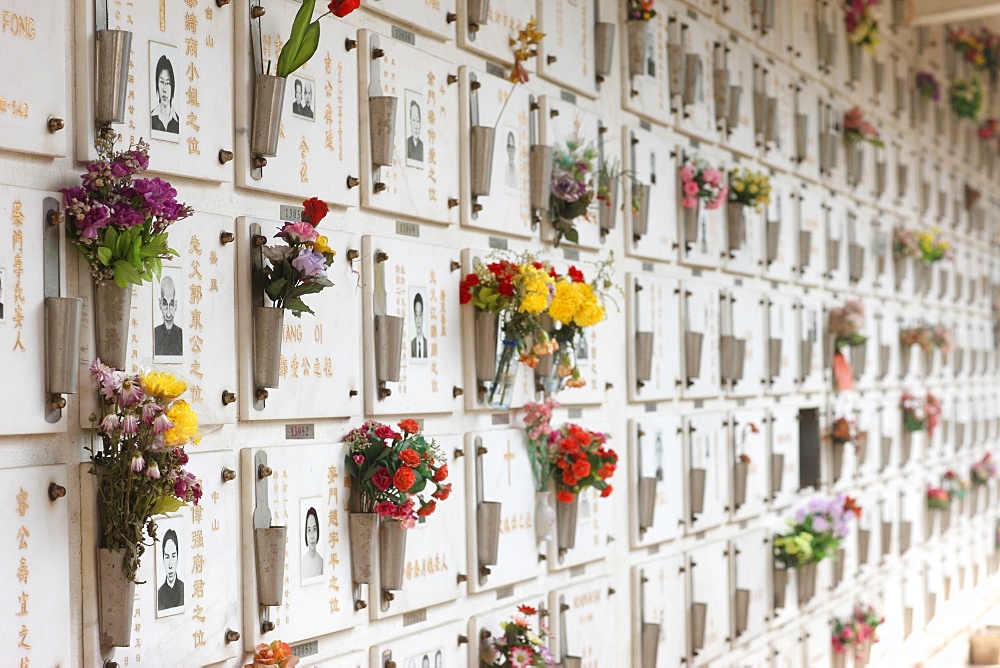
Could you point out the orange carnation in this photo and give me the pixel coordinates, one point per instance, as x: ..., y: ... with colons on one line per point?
x: 581, y: 468
x: 427, y: 508
x: 409, y: 425
x: 564, y: 497
x: 568, y: 478
x: 404, y: 479
x: 410, y: 457
x: 441, y: 473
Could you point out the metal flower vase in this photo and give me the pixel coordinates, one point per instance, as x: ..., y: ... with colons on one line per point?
x: 899, y: 271
x: 382, y: 128
x: 604, y: 49
x: 116, y: 597
x: 884, y: 352
x: 545, y: 516
x: 388, y: 347
x: 488, y: 532
x: 837, y: 459
x: 780, y: 584
x: 805, y: 248
x: 540, y: 167
x: 735, y: 225
x: 607, y: 206
x: 777, y: 472
x: 269, y: 557
x: 643, y: 356
x: 112, y: 313
x: 806, y: 580
x: 268, y: 101
x: 566, y: 516
x: 481, y: 149
x: 478, y: 13
x: 855, y: 162
x: 692, y: 354
x: 886, y: 445
x: 63, y: 316
x: 855, y: 261
x: 690, y: 217
x: 649, y: 644
x: 699, y: 615
x: 363, y: 528
x: 805, y: 358
x: 392, y: 554
x: 647, y: 502
x: 859, y: 355
x: 696, y: 487
x: 741, y: 601
x: 773, y: 237
x: 741, y: 471
x: 640, y: 209
x: 111, y: 76
x: 886, y: 538
x: 774, y: 357
x: 864, y: 540
x: 833, y: 254
x: 639, y: 35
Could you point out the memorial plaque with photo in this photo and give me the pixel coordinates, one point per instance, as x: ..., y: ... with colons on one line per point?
x: 22, y: 307
x: 781, y: 217
x: 750, y: 454
x: 700, y: 45
x: 492, y: 39
x: 414, y: 282
x: 752, y: 564
x: 782, y: 86
x: 651, y: 233
x: 653, y: 309
x: 423, y: 176
x: 812, y: 246
x: 709, y: 470
x: 746, y: 323
x: 524, y: 515
x: 182, y: 55
x: 431, y: 648
x: 784, y: 473
x: 581, y: 629
x: 647, y: 92
x: 504, y: 107
x: 739, y: 112
x: 660, y: 587
x: 566, y: 55
x: 189, y: 594
x: 701, y: 316
x: 783, y: 333
x: 318, y: 143
x: 32, y: 36
x: 708, y: 567
x: 182, y: 323
x: 38, y: 630
x: 307, y: 481
x: 657, y: 447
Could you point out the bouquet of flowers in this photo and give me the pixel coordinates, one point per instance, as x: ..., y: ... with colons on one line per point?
x: 928, y: 87
x: 988, y: 128
x: 750, y: 188
x: 518, y: 646
x: 938, y: 498
x: 391, y: 471
x: 538, y: 427
x: 640, y: 10
x: 904, y: 243
x: 932, y: 411
x: 304, y: 39
x: 572, y: 187
x: 914, y: 416
x: 580, y: 460
x: 859, y: 19
x: 982, y: 51
x: 955, y: 487
x: 846, y: 323
x: 857, y: 128
x: 140, y: 463
x: 857, y: 632
x: 844, y: 431
x: 932, y: 247
x: 967, y: 97
x: 921, y: 335
x: 941, y: 338
x: 297, y: 268
x: 702, y: 183
x: 276, y: 654
x: 984, y: 470
x: 816, y: 532
x: 120, y: 222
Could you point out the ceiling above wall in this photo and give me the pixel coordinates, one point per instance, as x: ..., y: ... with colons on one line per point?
x: 931, y: 12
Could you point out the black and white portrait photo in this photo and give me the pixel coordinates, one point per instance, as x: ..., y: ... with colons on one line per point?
x: 170, y: 556
x: 164, y: 119
x: 651, y: 56
x: 510, y: 164
x: 311, y: 569
x: 168, y: 337
x: 418, y: 335
x: 413, y: 103
x: 582, y: 348
x: 3, y: 295
x: 439, y: 659
x: 302, y: 102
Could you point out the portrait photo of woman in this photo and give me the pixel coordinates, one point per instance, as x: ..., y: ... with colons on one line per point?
x: 312, y: 561
x: 164, y: 121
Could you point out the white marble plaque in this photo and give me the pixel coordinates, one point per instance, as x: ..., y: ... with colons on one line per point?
x: 654, y: 306
x: 38, y: 628
x: 657, y: 449
x: 701, y: 315
x: 505, y: 107
x: 506, y: 478
x: 581, y: 628
x: 739, y: 133
x: 32, y: 36
x: 708, y: 565
x: 660, y: 589
x: 566, y: 55
x: 651, y: 162
x: 784, y: 442
x: 703, y: 51
x: 738, y: 16
x: 781, y: 151
x: 749, y: 440
x: 305, y: 478
x: 318, y: 142
x: 835, y: 248
x: 782, y: 327
x: 357, y: 659
x: 806, y: 116
x: 437, y: 647
x: 747, y: 323
x: 812, y: 218
x: 647, y: 93
x: 320, y: 368
x: 752, y: 564
x: 816, y: 644
x: 492, y: 39
x: 427, y: 17
x: 421, y: 287
x: 22, y: 308
x: 708, y: 460
x: 782, y: 218
x: 423, y: 176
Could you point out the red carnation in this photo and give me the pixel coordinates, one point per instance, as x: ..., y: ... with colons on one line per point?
x: 568, y: 445
x: 341, y: 8
x: 381, y: 479
x: 410, y: 457
x: 568, y: 478
x: 427, y: 508
x: 606, y: 491
x: 465, y: 288
x: 316, y: 211
x: 506, y: 287
x: 409, y: 425
x: 441, y: 473
x: 564, y: 497
x: 385, y: 509
x: 581, y: 468
x: 404, y: 479
x: 443, y: 492
x: 575, y: 275
x: 606, y: 471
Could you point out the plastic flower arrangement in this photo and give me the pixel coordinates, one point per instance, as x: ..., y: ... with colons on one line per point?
x: 299, y: 267
x: 857, y: 128
x: 120, y: 222
x: 640, y: 10
x: 921, y: 335
x: 392, y: 471
x: 984, y: 470
x: 846, y: 322
x: 518, y: 646
x: 525, y: 46
x: 303, y: 41
x: 276, y: 654
x: 573, y: 187
x: 816, y: 531
x: 928, y: 87
x: 702, y: 183
x: 579, y: 460
x: 904, y: 243
x: 938, y: 498
x: 918, y: 414
x: 538, y: 428
x: 982, y: 51
x: 750, y: 188
x: 844, y: 431
x: 988, y: 129
x: 859, y: 19
x: 857, y: 632
x: 140, y: 464
x: 932, y: 247
x: 967, y: 97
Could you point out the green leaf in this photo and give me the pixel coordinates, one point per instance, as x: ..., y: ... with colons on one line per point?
x: 289, y: 52
x: 127, y: 272
x: 310, y: 42
x: 572, y: 235
x: 111, y: 238
x: 168, y: 504
x: 104, y: 255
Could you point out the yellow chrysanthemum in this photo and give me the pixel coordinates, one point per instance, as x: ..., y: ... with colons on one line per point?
x: 185, y: 422
x: 566, y: 302
x: 162, y: 385
x: 589, y: 314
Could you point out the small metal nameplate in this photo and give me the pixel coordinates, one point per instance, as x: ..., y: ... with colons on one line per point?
x: 407, y: 229
x: 496, y: 243
x: 699, y: 404
x: 415, y: 617
x: 501, y: 418
x: 647, y: 266
x: 404, y: 35
x: 577, y: 571
x: 696, y: 272
x: 575, y: 413
x: 571, y: 255
x: 700, y: 535
x: 505, y: 592
x: 694, y: 143
x: 653, y: 549
x: 566, y: 96
x: 292, y: 214
x: 651, y: 407
x: 741, y: 402
x: 306, y: 649
x: 495, y: 70
x: 300, y: 432
x: 743, y: 525
x: 738, y: 282
x: 645, y: 125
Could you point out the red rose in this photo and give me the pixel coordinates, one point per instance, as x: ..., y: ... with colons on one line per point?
x: 316, y: 211
x: 441, y: 473
x: 568, y: 478
x: 404, y: 479
x: 410, y: 457
x: 409, y: 426
x: 381, y: 479
x: 385, y: 509
x: 527, y: 610
x: 581, y: 468
x: 564, y: 497
x: 568, y: 445
x: 575, y: 275
x: 606, y: 491
x: 465, y: 288
x: 443, y: 492
x: 606, y: 471
x: 506, y: 287
x: 427, y: 508
x: 579, y: 434
x: 341, y: 8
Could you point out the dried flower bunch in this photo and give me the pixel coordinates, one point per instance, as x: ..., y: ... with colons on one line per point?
x: 525, y: 46
x: 844, y: 431
x: 816, y: 531
x: 518, y: 646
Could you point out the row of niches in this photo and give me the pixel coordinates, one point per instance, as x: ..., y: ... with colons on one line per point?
x: 790, y: 125
x: 709, y: 596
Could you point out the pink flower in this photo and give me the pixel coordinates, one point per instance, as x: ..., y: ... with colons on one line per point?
x: 384, y: 431
x: 689, y: 202
x: 162, y: 424
x: 137, y: 463
x: 385, y: 509
x: 712, y: 176
x: 687, y: 174
x: 130, y: 425
x: 153, y: 471
x: 358, y: 459
x: 691, y: 188
x: 297, y: 233
x: 110, y: 423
